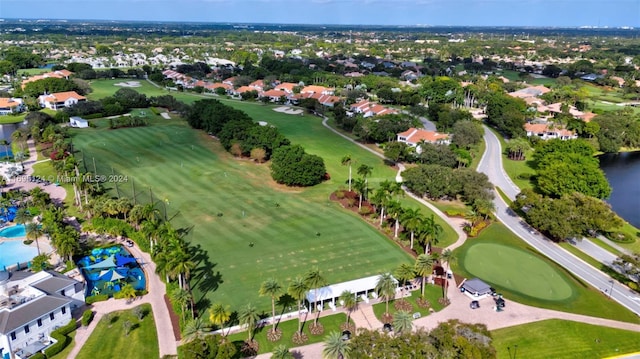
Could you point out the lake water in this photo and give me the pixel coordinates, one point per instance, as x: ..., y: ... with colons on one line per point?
x: 623, y: 172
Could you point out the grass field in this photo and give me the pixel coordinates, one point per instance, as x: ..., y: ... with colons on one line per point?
x: 563, y: 339
x: 584, y: 300
x: 289, y: 327
x: 535, y: 278
x: 108, y: 340
x: 226, y: 204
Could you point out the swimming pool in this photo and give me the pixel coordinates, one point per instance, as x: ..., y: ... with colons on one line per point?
x: 107, y: 270
x: 13, y: 231
x: 13, y: 252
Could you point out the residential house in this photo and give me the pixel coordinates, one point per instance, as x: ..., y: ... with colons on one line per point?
x: 548, y: 131
x: 317, y: 89
x: 368, y: 109
x: 60, y: 74
x: 258, y: 85
x: 531, y: 91
x: 32, y: 305
x: 286, y: 87
x: 274, y: 95
x: 414, y: 136
x: 11, y: 105
x: 212, y: 87
x: 59, y: 100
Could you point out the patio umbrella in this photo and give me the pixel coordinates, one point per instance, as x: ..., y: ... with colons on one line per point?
x: 110, y: 275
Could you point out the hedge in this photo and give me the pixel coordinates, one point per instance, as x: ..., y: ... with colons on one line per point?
x: 61, y: 335
x: 96, y: 298
x: 93, y: 116
x: 38, y: 355
x: 87, y: 316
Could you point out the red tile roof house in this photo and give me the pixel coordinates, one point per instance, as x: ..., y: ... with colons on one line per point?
x: 286, y: 87
x: 59, y: 100
x: 414, y: 136
x: 258, y: 85
x: 274, y: 95
x: 546, y: 131
x: 317, y: 89
x: 368, y: 109
x: 10, y: 105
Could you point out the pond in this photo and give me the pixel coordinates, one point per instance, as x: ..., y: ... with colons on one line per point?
x: 623, y: 172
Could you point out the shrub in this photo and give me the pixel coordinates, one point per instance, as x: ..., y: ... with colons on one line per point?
x: 365, y: 211
x: 38, y: 356
x: 87, y: 316
x: 93, y: 116
x: 340, y: 194
x: 475, y: 230
x: 96, y: 298
x: 27, y: 241
x: 621, y: 237
x: 525, y: 176
x: 61, y: 335
x: 455, y: 213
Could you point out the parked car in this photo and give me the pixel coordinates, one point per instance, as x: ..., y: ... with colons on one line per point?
x: 474, y: 304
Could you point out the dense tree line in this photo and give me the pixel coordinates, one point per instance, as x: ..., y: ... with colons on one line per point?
x: 565, y: 167
x: 21, y: 58
x: 437, y: 182
x: 237, y: 132
x: 506, y: 114
x: 51, y: 85
x: 618, y: 129
x: 450, y: 339
x: 572, y: 215
x: 382, y: 129
x: 122, y: 102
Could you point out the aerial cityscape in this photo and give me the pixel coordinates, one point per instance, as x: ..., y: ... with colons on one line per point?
x: 319, y: 179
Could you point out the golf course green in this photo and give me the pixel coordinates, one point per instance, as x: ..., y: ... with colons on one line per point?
x: 533, y: 277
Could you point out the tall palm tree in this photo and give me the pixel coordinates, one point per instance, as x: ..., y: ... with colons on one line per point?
x: 349, y: 302
x: 394, y: 209
x: 381, y: 197
x: 34, y: 231
x: 281, y: 352
x: 183, y: 298
x: 218, y: 315
x: 347, y: 161
x: 273, y: 289
x: 365, y: 171
x: 404, y: 273
x: 335, y: 347
x: 298, y: 290
x: 424, y: 267
x: 411, y: 220
x: 314, y: 279
x: 386, y: 288
x: 249, y: 317
x: 195, y: 329
x: 402, y: 322
x: 429, y: 232
x: 448, y: 257
x: 23, y: 216
x: 360, y: 186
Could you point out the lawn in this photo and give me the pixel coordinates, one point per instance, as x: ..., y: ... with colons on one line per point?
x: 584, y: 299
x: 289, y: 327
x: 431, y: 293
x: 226, y: 204
x: 108, y: 340
x: 563, y: 339
x: 535, y: 278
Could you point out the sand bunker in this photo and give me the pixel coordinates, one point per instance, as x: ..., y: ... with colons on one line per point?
x: 288, y: 110
x: 128, y: 84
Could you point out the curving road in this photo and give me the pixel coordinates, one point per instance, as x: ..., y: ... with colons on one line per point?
x: 491, y: 165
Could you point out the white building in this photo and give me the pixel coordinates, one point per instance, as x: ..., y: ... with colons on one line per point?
x: 11, y: 105
x: 414, y: 136
x: 59, y: 100
x: 32, y: 305
x: 361, y: 288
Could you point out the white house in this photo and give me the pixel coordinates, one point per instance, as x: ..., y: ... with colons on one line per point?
x: 32, y: 305
x: 59, y: 100
x: 414, y: 136
x: 78, y: 122
x: 11, y: 105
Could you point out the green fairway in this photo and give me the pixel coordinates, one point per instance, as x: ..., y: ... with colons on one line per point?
x: 226, y: 204
x: 535, y: 278
x: 108, y: 340
x: 584, y: 299
x: 563, y: 339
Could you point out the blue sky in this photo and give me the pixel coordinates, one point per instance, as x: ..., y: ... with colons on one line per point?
x: 390, y: 12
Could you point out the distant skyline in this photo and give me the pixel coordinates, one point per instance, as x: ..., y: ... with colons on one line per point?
x: 539, y: 13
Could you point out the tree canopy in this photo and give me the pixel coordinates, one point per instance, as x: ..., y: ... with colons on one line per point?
x: 292, y: 166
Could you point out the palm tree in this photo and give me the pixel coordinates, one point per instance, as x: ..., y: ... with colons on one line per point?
x: 424, y: 267
x: 411, y: 220
x: 34, y: 231
x: 448, y: 257
x: 249, y: 316
x: 218, y: 315
x: 347, y: 161
x: 394, y: 209
x: 360, y: 186
x: 183, y: 298
x: 402, y: 322
x: 381, y: 198
x: 195, y: 329
x: 348, y: 300
x: 18, y: 136
x: 386, y: 288
x: 314, y: 279
x: 429, y: 232
x: 298, y: 290
x: 23, y: 216
x: 128, y: 292
x: 484, y: 207
x: 273, y: 289
x: 405, y: 272
x: 281, y: 352
x: 364, y: 171
x: 335, y: 347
